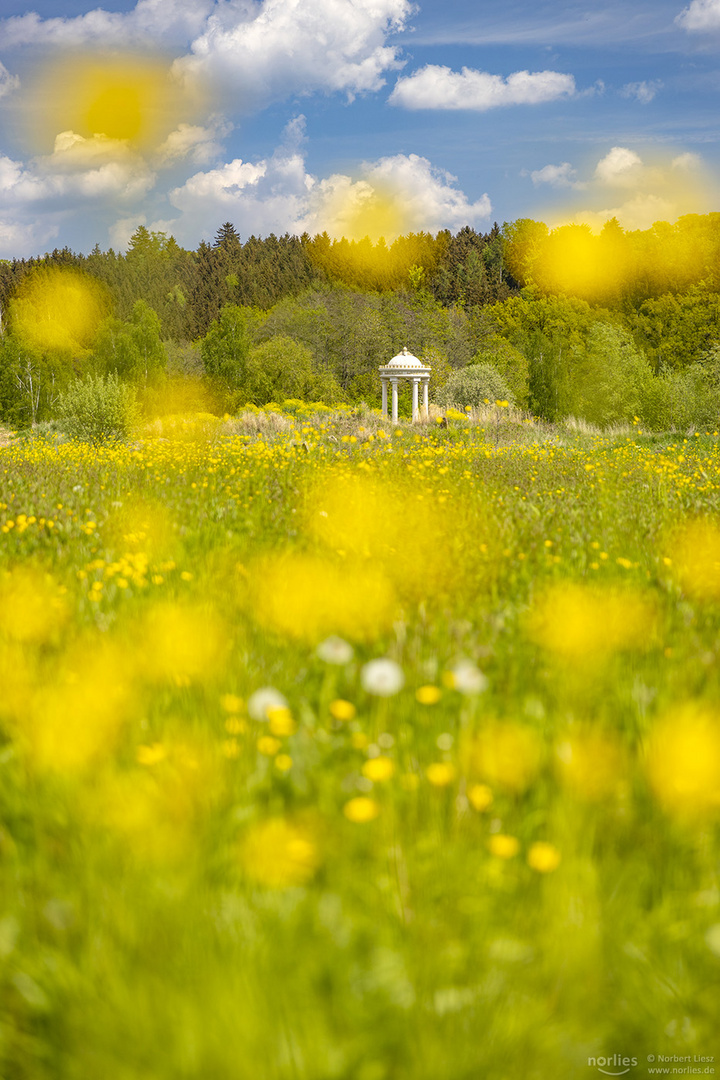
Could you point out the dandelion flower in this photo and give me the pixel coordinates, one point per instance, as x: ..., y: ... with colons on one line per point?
x: 467, y: 678
x: 382, y: 677
x: 428, y: 695
x: 543, y: 857
x: 440, y: 773
x: 268, y: 746
x: 480, y: 796
x: 279, y: 855
x: 503, y: 846
x: 335, y: 650
x: 262, y: 701
x: 378, y: 769
x: 361, y: 809
x: 342, y: 710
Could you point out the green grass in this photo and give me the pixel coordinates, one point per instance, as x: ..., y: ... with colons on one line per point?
x: 185, y: 891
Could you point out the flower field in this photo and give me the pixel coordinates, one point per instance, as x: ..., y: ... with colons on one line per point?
x: 329, y: 751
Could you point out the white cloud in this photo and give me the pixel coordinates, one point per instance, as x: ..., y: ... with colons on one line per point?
x: 618, y: 167
x: 644, y: 91
x: 25, y: 238
x: 687, y: 162
x: 8, y: 82
x: 149, y: 19
x: 435, y: 87
x: 279, y: 49
x: 277, y: 194
x: 200, y: 144
x: 700, y: 15
x: 555, y: 175
x: 78, y: 169
x: 638, y: 192
x: 123, y: 229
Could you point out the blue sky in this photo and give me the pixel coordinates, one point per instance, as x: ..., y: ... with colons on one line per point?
x: 356, y: 116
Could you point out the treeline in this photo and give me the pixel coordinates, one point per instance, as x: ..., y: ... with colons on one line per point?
x: 608, y: 327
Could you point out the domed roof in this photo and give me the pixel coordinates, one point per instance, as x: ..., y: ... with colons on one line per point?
x: 405, y: 359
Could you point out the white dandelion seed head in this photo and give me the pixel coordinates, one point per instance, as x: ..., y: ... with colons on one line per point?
x: 468, y: 678
x: 335, y: 650
x: 382, y: 677
x: 263, y: 700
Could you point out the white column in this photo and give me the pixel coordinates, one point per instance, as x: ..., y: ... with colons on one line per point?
x: 426, y: 404
x: 394, y: 383
x: 415, y: 400
x: 384, y: 397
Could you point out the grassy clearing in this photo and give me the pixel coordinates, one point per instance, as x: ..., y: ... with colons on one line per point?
x: 233, y: 846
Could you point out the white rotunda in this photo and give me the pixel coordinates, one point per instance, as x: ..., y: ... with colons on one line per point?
x: 405, y: 366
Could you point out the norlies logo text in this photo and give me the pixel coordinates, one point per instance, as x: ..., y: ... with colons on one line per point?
x: 617, y: 1065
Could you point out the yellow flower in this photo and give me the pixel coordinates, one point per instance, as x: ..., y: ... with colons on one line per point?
x: 543, y: 857
x: 231, y: 703
x: 361, y: 809
x: 150, y: 755
x: 234, y: 725
x: 342, y: 710
x: 684, y: 760
x: 230, y: 748
x: 428, y: 695
x: 378, y: 769
x: 283, y: 762
x: 480, y: 796
x: 440, y: 773
x: 268, y: 745
x: 279, y: 855
x: 504, y: 847
x: 281, y: 721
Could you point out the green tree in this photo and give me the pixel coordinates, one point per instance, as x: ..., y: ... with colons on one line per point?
x: 608, y: 376
x: 474, y: 386
x: 226, y: 347
x: 132, y: 350
x: 281, y: 368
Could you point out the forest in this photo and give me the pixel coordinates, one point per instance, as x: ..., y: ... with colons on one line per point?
x: 609, y: 327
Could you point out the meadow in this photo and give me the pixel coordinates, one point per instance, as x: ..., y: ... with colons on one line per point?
x: 337, y: 751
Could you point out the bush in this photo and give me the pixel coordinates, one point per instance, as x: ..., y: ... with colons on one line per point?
x: 97, y: 409
x: 474, y: 385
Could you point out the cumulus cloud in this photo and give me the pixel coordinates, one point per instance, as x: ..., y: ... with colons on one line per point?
x: 643, y: 92
x: 148, y: 20
x: 700, y: 15
x: 556, y: 175
x: 198, y: 143
x: 78, y: 169
x: 27, y: 237
x: 278, y: 49
x: 436, y: 87
x: 618, y: 168
x: 8, y: 82
x: 637, y: 191
x: 388, y: 196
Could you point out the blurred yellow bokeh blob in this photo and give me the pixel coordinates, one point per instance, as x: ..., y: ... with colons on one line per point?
x: 181, y: 644
x: 507, y: 755
x: 591, y: 764
x: 279, y: 854
x: 696, y: 559
x: 59, y: 308
x: 307, y: 598
x: 579, y: 622
x: 683, y: 760
x: 400, y: 530
x: 32, y: 606
x: 74, y: 718
x: 125, y: 97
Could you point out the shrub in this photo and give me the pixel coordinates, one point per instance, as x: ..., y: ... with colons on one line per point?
x: 474, y: 385
x: 97, y: 409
